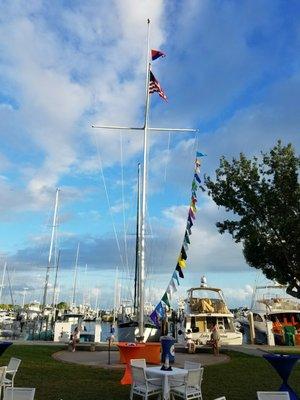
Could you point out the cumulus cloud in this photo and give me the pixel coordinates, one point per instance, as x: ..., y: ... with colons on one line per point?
x: 231, y: 70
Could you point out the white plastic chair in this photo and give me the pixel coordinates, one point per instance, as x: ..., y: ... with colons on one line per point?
x: 191, y: 388
x: 138, y: 362
x: 191, y: 365
x: 11, y: 371
x: 143, y: 386
x: 2, y: 377
x: 273, y: 396
x: 19, y: 393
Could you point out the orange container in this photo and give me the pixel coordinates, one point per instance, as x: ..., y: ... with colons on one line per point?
x: 297, y: 339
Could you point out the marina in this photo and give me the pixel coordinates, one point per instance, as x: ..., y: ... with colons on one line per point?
x: 149, y: 177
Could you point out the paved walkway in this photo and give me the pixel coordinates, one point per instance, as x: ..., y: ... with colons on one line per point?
x: 100, y: 358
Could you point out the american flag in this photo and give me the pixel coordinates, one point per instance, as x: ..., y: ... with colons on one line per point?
x: 154, y: 86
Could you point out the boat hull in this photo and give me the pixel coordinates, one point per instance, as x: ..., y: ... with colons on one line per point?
x: 128, y: 331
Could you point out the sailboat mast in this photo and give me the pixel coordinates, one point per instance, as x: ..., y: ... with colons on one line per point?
x: 55, y: 281
x: 10, y: 290
x: 50, y: 250
x: 137, y: 245
x: 144, y: 195
x: 2, y: 283
x: 75, y: 276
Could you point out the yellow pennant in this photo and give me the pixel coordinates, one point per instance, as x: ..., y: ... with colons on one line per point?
x: 181, y: 263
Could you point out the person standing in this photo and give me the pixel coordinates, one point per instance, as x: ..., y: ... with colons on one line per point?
x: 215, y: 339
x: 75, y: 338
x: 112, y: 332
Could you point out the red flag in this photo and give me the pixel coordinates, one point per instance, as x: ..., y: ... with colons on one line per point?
x: 155, y: 54
x: 154, y: 86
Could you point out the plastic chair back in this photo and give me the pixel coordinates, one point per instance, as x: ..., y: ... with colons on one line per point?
x: 138, y: 362
x: 191, y: 365
x: 138, y: 375
x: 194, y: 377
x: 19, y: 393
x: 273, y: 396
x: 13, y: 365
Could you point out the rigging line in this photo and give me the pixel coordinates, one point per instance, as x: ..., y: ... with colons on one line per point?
x: 167, y: 156
x: 108, y: 200
x: 123, y: 201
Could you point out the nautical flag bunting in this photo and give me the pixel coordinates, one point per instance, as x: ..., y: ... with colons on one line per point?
x: 181, y: 262
x: 165, y: 299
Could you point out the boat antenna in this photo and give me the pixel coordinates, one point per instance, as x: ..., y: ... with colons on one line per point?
x: 145, y: 128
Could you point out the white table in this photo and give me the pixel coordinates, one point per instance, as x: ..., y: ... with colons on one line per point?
x: 177, y: 374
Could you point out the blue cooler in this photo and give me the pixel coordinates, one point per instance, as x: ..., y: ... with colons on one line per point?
x: 167, y: 348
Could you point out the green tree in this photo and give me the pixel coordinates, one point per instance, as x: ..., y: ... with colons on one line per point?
x: 62, y: 305
x: 263, y: 196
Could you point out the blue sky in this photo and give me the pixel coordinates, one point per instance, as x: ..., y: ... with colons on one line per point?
x: 232, y: 70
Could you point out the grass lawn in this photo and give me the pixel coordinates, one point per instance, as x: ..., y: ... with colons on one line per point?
x: 237, y: 380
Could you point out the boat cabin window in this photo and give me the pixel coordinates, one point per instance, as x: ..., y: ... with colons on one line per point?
x: 193, y: 325
x: 210, y: 322
x: 257, y: 317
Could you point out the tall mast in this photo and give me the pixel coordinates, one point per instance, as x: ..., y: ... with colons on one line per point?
x: 116, y: 296
x: 2, y: 283
x: 10, y: 290
x: 144, y: 192
x: 55, y: 280
x: 54, y: 225
x: 137, y: 245
x: 75, y: 276
x: 145, y: 129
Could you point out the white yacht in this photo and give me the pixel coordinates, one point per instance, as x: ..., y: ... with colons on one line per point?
x: 204, y: 307
x: 272, y: 303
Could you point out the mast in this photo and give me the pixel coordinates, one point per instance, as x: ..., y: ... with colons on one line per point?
x: 137, y: 245
x: 2, y: 283
x: 54, y: 225
x: 75, y: 276
x: 10, y: 290
x: 144, y: 189
x: 145, y: 129
x: 116, y: 296
x: 55, y: 280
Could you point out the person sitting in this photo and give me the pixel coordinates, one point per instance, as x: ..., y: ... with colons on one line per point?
x: 190, y: 344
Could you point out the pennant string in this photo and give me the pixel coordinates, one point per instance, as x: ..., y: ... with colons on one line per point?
x: 159, y: 311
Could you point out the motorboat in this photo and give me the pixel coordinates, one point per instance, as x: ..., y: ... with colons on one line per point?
x: 205, y: 307
x: 272, y: 303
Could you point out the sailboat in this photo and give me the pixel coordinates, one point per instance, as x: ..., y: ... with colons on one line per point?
x: 128, y: 324
x: 151, y: 86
